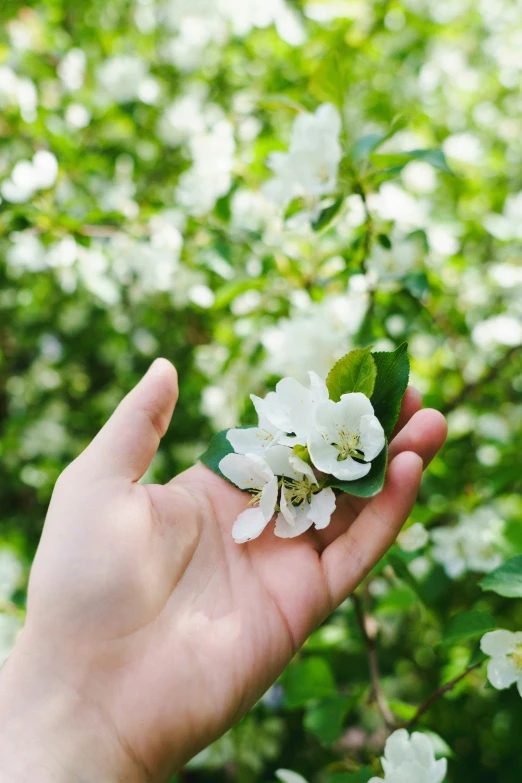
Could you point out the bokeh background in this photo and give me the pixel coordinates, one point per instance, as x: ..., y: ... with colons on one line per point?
x: 134, y: 222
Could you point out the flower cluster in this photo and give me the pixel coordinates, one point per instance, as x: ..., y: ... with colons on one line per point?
x: 411, y: 760
x: 303, y: 440
x: 474, y: 544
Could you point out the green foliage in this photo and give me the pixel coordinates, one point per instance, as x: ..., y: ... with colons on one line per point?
x: 468, y: 625
x: 393, y: 372
x: 355, y: 372
x: 218, y: 448
x: 308, y: 679
x: 505, y: 580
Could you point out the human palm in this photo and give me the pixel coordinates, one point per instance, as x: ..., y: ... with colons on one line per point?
x: 173, y: 629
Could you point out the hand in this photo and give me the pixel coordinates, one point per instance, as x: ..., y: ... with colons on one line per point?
x: 149, y: 631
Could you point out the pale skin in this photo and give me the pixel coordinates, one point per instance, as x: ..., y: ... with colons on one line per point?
x: 149, y: 631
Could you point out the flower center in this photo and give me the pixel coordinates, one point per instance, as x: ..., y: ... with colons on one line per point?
x: 300, y: 490
x: 348, y: 445
x: 517, y: 657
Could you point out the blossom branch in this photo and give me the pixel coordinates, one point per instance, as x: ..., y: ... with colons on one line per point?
x: 437, y: 694
x: 373, y: 663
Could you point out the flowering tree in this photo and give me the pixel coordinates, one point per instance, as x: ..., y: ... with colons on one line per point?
x: 254, y: 189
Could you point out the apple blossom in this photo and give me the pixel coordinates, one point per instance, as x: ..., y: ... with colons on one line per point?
x: 505, y: 665
x: 251, y: 472
x: 410, y: 760
x: 346, y: 433
x: 303, y: 502
x: 292, y: 406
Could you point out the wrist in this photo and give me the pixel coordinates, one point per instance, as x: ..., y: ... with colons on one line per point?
x: 51, y: 733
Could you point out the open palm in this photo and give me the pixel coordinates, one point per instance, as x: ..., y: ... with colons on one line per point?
x: 176, y: 629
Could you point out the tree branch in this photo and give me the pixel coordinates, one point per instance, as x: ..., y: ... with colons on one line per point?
x: 436, y: 695
x: 373, y: 664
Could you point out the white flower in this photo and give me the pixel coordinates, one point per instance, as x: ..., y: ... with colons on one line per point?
x: 346, y: 432
x: 314, y: 337
x: 291, y: 407
x: 411, y: 760
x: 210, y: 177
x: 251, y: 472
x: 414, y: 538
x: 474, y: 544
x: 505, y: 666
x: 254, y: 440
x: 124, y: 77
x: 29, y: 176
x: 310, y: 167
x: 303, y: 504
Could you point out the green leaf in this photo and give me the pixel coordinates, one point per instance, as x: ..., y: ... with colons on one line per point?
x: 366, y: 145
x: 355, y: 372
x: 219, y: 447
x: 468, y: 625
x: 417, y: 284
x: 403, y: 572
x: 394, y: 162
x: 384, y: 241
x: 393, y: 373
x: 331, y: 79
x: 307, y: 679
x: 328, y: 214
x: 505, y: 580
x: 369, y: 485
x: 325, y: 719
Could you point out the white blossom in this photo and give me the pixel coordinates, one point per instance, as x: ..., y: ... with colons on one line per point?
x: 314, y: 337
x: 410, y: 760
x: 251, y: 472
x: 125, y: 78
x: 414, y: 538
x: 474, y: 544
x: 291, y: 408
x: 498, y: 330
x: 71, y: 69
x: 310, y: 167
x: 346, y: 433
x: 303, y: 502
x: 210, y: 177
x: 505, y: 665
x: 29, y: 176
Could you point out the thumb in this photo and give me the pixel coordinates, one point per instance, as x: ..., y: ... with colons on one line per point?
x: 128, y: 442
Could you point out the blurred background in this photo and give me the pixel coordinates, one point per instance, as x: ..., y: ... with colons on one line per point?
x: 140, y: 216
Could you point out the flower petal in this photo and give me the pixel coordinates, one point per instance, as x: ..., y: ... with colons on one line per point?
x: 322, y: 453
x: 438, y: 771
x: 272, y: 410
x: 252, y: 440
x: 268, y: 500
x: 303, y: 468
x: 322, y: 507
x: 396, y: 749
x: 502, y: 672
x: 284, y: 530
x: 249, y: 525
x: 422, y: 749
x: 278, y: 459
x: 287, y: 509
x: 297, y: 401
x: 245, y: 471
x: 372, y: 436
x: 350, y: 470
x: 497, y: 643
x: 318, y: 388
